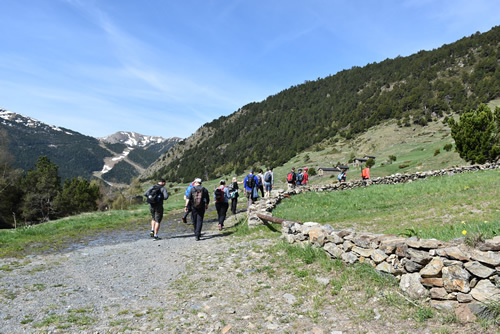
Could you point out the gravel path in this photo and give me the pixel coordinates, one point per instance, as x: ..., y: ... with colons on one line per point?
x: 221, y: 284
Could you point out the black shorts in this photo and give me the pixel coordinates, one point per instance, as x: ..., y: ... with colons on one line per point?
x: 156, y: 212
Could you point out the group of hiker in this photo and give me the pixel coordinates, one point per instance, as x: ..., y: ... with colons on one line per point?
x: 197, y: 197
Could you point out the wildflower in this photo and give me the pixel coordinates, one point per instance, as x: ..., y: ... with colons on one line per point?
x: 466, y: 187
x: 486, y: 222
x: 464, y: 232
x: 463, y: 222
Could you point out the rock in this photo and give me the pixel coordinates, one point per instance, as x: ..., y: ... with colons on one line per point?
x: 378, y: 256
x: 227, y: 328
x: 410, y: 284
x: 464, y: 297
x: 433, y: 268
x: 333, y: 237
x: 490, y: 258
x: 455, y: 253
x: 425, y: 243
x: 412, y: 267
x: 485, y: 291
x: 478, y: 269
x: 323, y: 281
x: 364, y: 252
x: 432, y: 282
x: 349, y: 257
x: 385, y: 267
x: 418, y: 256
x: 317, y: 236
x: 439, y: 293
x: 333, y: 250
x: 347, y: 246
x: 464, y: 314
x: 456, y: 279
x: 444, y: 305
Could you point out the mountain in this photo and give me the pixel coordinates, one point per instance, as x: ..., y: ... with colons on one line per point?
x: 417, y: 89
x: 116, y: 158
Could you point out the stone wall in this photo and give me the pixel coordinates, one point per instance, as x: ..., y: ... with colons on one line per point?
x: 451, y: 274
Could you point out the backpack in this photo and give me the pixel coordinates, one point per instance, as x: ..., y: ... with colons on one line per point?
x: 340, y: 176
x: 300, y: 177
x: 267, y: 177
x: 198, y: 198
x: 155, y: 195
x: 259, y: 178
x: 289, y: 178
x: 250, y: 181
x: 219, y: 194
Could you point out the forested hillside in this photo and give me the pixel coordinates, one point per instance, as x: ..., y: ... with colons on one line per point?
x: 414, y: 90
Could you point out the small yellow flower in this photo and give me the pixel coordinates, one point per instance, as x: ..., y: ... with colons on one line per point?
x: 464, y: 232
x: 463, y: 222
x: 486, y: 222
x: 466, y: 187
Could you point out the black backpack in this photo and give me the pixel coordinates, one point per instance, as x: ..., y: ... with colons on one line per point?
x: 250, y: 181
x: 219, y: 195
x: 198, y: 198
x: 155, y: 195
x: 267, y: 177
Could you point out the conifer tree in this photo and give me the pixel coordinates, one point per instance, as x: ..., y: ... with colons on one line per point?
x: 477, y: 135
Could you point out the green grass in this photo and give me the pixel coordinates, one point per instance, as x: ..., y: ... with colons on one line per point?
x: 57, y: 234
x: 438, y: 207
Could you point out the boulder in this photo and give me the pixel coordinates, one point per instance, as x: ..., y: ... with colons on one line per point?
x: 456, y: 279
x: 410, y: 284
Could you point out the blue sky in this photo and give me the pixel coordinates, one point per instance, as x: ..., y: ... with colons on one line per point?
x: 165, y: 67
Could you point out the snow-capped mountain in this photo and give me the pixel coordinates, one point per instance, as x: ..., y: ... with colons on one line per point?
x: 115, y: 159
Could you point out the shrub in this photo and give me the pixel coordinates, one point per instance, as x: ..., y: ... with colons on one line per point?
x: 448, y: 147
x: 436, y: 152
x: 403, y: 166
x: 312, y: 171
x: 392, y: 158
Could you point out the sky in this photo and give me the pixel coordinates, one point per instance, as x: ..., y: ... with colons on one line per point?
x: 165, y: 67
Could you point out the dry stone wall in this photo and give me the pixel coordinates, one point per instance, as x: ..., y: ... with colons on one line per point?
x: 451, y: 274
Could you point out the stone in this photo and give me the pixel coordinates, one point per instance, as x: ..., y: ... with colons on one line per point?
x: 412, y: 267
x: 464, y: 314
x: 226, y: 329
x: 439, y: 293
x: 385, y: 267
x: 401, y: 250
x: 333, y: 250
x: 455, y: 253
x: 349, y: 257
x: 425, y: 243
x: 410, y: 284
x: 418, y: 256
x: 456, y: 279
x: 306, y: 227
x: 432, y: 282
x: 317, y: 236
x: 444, y: 305
x: 433, y: 268
x: 347, y: 246
x: 333, y: 237
x: 485, y: 291
x: 364, y: 252
x: 490, y: 258
x: 290, y: 238
x: 464, y: 298
x: 479, y: 270
x: 378, y: 256
x: 323, y: 281
x: 366, y: 240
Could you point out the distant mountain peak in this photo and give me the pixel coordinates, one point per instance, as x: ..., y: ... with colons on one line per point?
x: 134, y: 139
x: 10, y: 118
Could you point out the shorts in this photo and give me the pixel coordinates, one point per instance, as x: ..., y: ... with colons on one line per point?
x: 268, y: 186
x: 156, y: 212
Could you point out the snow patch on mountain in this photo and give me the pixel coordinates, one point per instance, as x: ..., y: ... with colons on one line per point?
x: 132, y: 139
x: 9, y: 117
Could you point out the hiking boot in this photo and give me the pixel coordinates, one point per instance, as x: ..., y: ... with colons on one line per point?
x: 151, y: 234
x: 184, y: 220
x: 157, y: 238
x: 220, y: 227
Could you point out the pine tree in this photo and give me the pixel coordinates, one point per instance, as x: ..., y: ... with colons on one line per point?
x: 477, y: 135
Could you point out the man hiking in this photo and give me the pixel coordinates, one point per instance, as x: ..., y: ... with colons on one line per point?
x: 155, y: 197
x: 198, y: 200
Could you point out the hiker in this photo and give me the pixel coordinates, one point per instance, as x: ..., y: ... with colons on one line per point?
x: 342, y: 176
x: 365, y: 173
x: 234, y: 194
x: 291, y: 179
x: 221, y: 197
x: 306, y: 177
x: 189, y: 210
x: 260, y: 177
x: 300, y: 178
x: 198, y: 200
x: 250, y: 184
x: 268, y: 182
x: 155, y: 196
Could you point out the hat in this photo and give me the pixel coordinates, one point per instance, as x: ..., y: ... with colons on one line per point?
x: 197, y: 180
x: 251, y: 170
x: 162, y: 180
x: 222, y: 182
